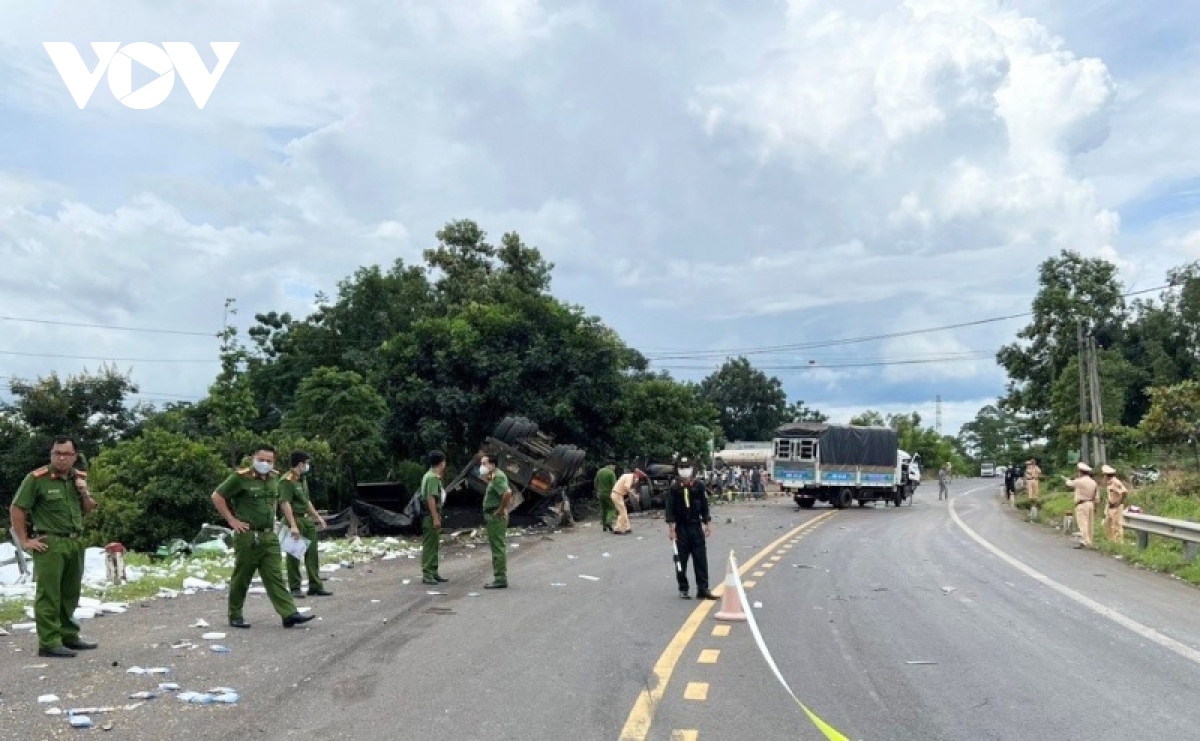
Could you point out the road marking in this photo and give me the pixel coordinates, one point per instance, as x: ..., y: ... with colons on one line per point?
x: 637, y: 725
x: 768, y: 565
x: 749, y: 584
x: 1144, y: 631
x: 776, y: 558
x: 709, y: 655
x: 720, y: 631
x: 696, y: 691
x: 685, y: 735
x: 759, y: 574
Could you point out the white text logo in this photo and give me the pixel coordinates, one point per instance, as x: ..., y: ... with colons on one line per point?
x: 118, y: 60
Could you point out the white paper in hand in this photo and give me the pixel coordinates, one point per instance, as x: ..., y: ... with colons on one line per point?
x: 294, y: 547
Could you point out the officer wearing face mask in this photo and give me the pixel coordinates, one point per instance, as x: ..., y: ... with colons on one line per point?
x: 303, y: 521
x: 496, y: 499
x: 688, y: 524
x: 247, y: 502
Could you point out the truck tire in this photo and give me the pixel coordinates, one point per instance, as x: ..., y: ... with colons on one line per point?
x: 805, y: 502
x: 844, y: 498
x: 645, y: 502
x: 898, y: 497
x: 503, y: 429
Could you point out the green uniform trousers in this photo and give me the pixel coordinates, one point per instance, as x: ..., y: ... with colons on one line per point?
x: 312, y: 563
x: 608, y: 510
x: 258, y: 551
x: 430, y: 536
x: 497, y: 529
x: 59, y: 574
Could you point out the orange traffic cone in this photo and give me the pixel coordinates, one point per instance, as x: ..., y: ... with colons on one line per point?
x: 731, y: 604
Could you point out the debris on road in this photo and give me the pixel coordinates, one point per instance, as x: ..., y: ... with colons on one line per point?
x: 46, y: 699
x: 758, y: 605
x: 201, y: 623
x: 212, y: 636
x: 589, y: 578
x: 80, y: 721
x: 921, y: 662
x: 219, y: 649
x: 947, y: 590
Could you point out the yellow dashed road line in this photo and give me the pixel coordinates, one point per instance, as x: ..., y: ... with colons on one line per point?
x: 641, y: 716
x: 696, y: 691
x: 709, y: 656
x: 759, y: 573
x: 689, y: 735
x: 748, y: 584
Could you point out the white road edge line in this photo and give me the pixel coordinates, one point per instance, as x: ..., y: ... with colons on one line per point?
x: 1144, y: 631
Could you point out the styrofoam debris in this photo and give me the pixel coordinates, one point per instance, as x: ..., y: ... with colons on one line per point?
x: 24, y: 626
x: 201, y: 623
x: 758, y: 605
x: 44, y: 699
x: 54, y: 711
x: 193, y: 583
x: 589, y: 578
x: 212, y: 636
x: 258, y: 590
x: 80, y: 721
x: 168, y: 686
x: 219, y: 649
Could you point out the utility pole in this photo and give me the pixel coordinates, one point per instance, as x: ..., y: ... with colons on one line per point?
x: 937, y: 424
x: 1098, y: 444
x: 1083, y: 383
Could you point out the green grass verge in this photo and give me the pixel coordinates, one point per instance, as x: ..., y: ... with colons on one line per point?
x: 1176, y: 496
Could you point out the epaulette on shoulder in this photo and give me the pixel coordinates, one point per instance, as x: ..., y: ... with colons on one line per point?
x: 41, y: 472
x: 245, y: 472
x: 289, y: 476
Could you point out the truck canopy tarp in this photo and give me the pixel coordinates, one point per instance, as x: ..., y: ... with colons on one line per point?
x: 859, y: 446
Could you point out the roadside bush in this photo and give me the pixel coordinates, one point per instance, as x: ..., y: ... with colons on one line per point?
x: 153, y: 488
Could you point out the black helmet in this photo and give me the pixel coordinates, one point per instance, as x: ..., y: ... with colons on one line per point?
x: 684, y: 461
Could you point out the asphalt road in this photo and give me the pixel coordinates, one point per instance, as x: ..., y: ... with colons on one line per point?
x: 1027, y: 639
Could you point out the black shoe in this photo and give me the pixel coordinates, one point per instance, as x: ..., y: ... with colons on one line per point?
x: 296, y: 619
x: 80, y: 644
x: 683, y: 594
x: 58, y: 652
x: 706, y: 595
x: 297, y: 594
x: 441, y: 580
x: 429, y: 580
x: 320, y: 593
x: 494, y: 585
x: 238, y: 623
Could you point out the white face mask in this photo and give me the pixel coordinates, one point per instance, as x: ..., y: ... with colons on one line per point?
x: 263, y: 467
x: 685, y: 473
x: 483, y: 471
x: 307, y: 467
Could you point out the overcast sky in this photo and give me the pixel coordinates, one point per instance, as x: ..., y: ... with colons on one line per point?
x: 708, y: 175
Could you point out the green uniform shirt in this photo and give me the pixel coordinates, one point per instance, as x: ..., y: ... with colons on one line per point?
x: 52, y: 502
x: 606, y: 479
x: 494, y: 494
x: 293, y: 489
x: 251, y: 497
x: 431, y: 486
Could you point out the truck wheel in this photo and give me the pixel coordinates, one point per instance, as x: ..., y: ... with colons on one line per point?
x: 644, y: 501
x: 805, y: 502
x: 845, y: 498
x: 898, y: 497
x: 503, y: 429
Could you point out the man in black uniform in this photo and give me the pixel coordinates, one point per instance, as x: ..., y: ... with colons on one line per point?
x: 688, y: 524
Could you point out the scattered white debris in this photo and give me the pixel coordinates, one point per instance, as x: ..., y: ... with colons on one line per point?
x: 80, y: 721
x: 406, y: 581
x: 374, y: 601
x: 606, y: 554
x: 589, y: 578
x: 947, y: 590
x: 472, y: 594
x: 212, y: 636
x: 219, y: 649
x: 432, y: 593
x: 758, y: 605
x: 931, y: 663
x: 45, y: 699
x: 25, y: 626
x: 54, y: 711
x: 201, y: 623
x: 557, y: 584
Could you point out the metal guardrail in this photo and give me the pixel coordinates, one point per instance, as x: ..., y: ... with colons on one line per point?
x: 1146, y: 525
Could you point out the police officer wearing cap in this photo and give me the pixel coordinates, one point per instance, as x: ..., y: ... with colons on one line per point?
x: 688, y: 524
x: 1085, y: 502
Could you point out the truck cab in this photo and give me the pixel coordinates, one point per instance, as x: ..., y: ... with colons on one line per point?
x: 987, y: 470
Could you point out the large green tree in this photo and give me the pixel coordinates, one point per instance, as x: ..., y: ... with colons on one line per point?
x: 1073, y: 291
x: 751, y: 404
x: 995, y: 434
x: 660, y: 417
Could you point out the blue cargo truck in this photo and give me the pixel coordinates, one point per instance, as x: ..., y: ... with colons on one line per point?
x: 843, y: 464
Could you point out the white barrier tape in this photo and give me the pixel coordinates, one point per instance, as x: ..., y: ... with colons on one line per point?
x: 830, y: 732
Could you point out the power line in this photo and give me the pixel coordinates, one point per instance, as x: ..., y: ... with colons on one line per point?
x: 113, y: 360
x: 108, y: 326
x: 820, y: 366
x: 695, y: 354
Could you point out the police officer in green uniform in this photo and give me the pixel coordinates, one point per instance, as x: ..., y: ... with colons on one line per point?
x: 496, y: 499
x: 252, y: 493
x: 432, y: 499
x: 55, y: 498
x: 606, y: 479
x: 303, y: 521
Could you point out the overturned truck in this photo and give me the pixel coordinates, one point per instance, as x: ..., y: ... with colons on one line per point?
x: 544, y: 476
